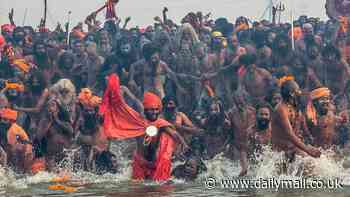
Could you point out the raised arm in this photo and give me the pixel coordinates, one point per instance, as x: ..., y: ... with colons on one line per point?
x: 39, y: 106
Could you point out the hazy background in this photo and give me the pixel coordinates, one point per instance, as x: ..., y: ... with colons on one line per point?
x: 143, y: 11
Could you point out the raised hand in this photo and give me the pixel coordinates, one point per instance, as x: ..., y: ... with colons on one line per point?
x: 165, y: 9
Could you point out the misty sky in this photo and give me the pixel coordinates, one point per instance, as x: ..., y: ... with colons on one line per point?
x: 143, y: 11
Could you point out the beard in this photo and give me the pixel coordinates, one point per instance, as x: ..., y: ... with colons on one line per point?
x: 215, y: 119
x: 169, y: 113
x: 90, y: 120
x: 263, y: 124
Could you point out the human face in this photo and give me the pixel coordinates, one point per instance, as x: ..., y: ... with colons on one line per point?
x: 234, y: 41
x: 53, y: 108
x: 170, y: 107
x: 276, y: 99
x: 191, y: 167
x: 263, y: 118
x: 79, y: 48
x: 155, y: 59
x: 152, y: 114
x: 125, y: 48
x: 200, y: 52
x: 313, y: 52
x: 322, y: 105
x: 40, y: 49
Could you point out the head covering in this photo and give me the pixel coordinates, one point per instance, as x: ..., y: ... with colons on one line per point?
x: 151, y: 101
x: 14, y: 86
x: 284, y: 79
x: 87, y: 99
x: 216, y: 34
x: 310, y: 108
x: 22, y: 65
x: 320, y: 92
x: 8, y: 114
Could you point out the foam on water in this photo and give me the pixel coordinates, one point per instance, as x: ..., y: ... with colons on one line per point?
x: 324, y: 167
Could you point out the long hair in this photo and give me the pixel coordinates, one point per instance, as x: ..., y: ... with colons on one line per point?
x: 67, y: 100
x: 186, y: 27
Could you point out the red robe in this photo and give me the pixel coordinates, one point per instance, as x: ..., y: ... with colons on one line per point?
x: 122, y: 122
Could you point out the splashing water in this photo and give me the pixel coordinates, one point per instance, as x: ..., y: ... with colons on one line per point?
x: 325, y: 167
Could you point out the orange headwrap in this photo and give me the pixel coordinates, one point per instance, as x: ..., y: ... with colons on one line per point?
x: 320, y: 92
x: 86, y: 98
x: 79, y: 34
x: 151, y: 101
x: 310, y: 108
x: 14, y: 86
x: 22, y: 65
x: 281, y: 81
x: 9, y: 114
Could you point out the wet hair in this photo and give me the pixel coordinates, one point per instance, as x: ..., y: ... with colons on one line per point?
x: 281, y: 37
x: 37, y: 43
x: 286, y: 89
x: 331, y: 49
x: 148, y: 50
x: 167, y: 99
x: 272, y: 92
x: 64, y: 56
x: 247, y: 59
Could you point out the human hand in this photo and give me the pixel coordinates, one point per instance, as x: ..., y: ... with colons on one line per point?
x: 313, y: 152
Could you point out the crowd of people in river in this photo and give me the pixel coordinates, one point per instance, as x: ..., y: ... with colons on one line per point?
x: 211, y: 86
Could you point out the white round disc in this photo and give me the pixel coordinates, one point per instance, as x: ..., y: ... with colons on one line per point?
x: 151, y: 131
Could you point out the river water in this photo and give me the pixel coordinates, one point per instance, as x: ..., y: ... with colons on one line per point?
x: 327, y: 167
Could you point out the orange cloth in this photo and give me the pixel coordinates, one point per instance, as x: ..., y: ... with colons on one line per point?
x: 8, y: 114
x: 86, y: 98
x: 208, y: 88
x: 311, y: 112
x: 22, y: 65
x: 16, y: 133
x: 161, y: 169
x: 120, y: 120
x: 320, y: 92
x: 284, y: 79
x: 17, y: 86
x: 39, y: 165
x: 151, y: 101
